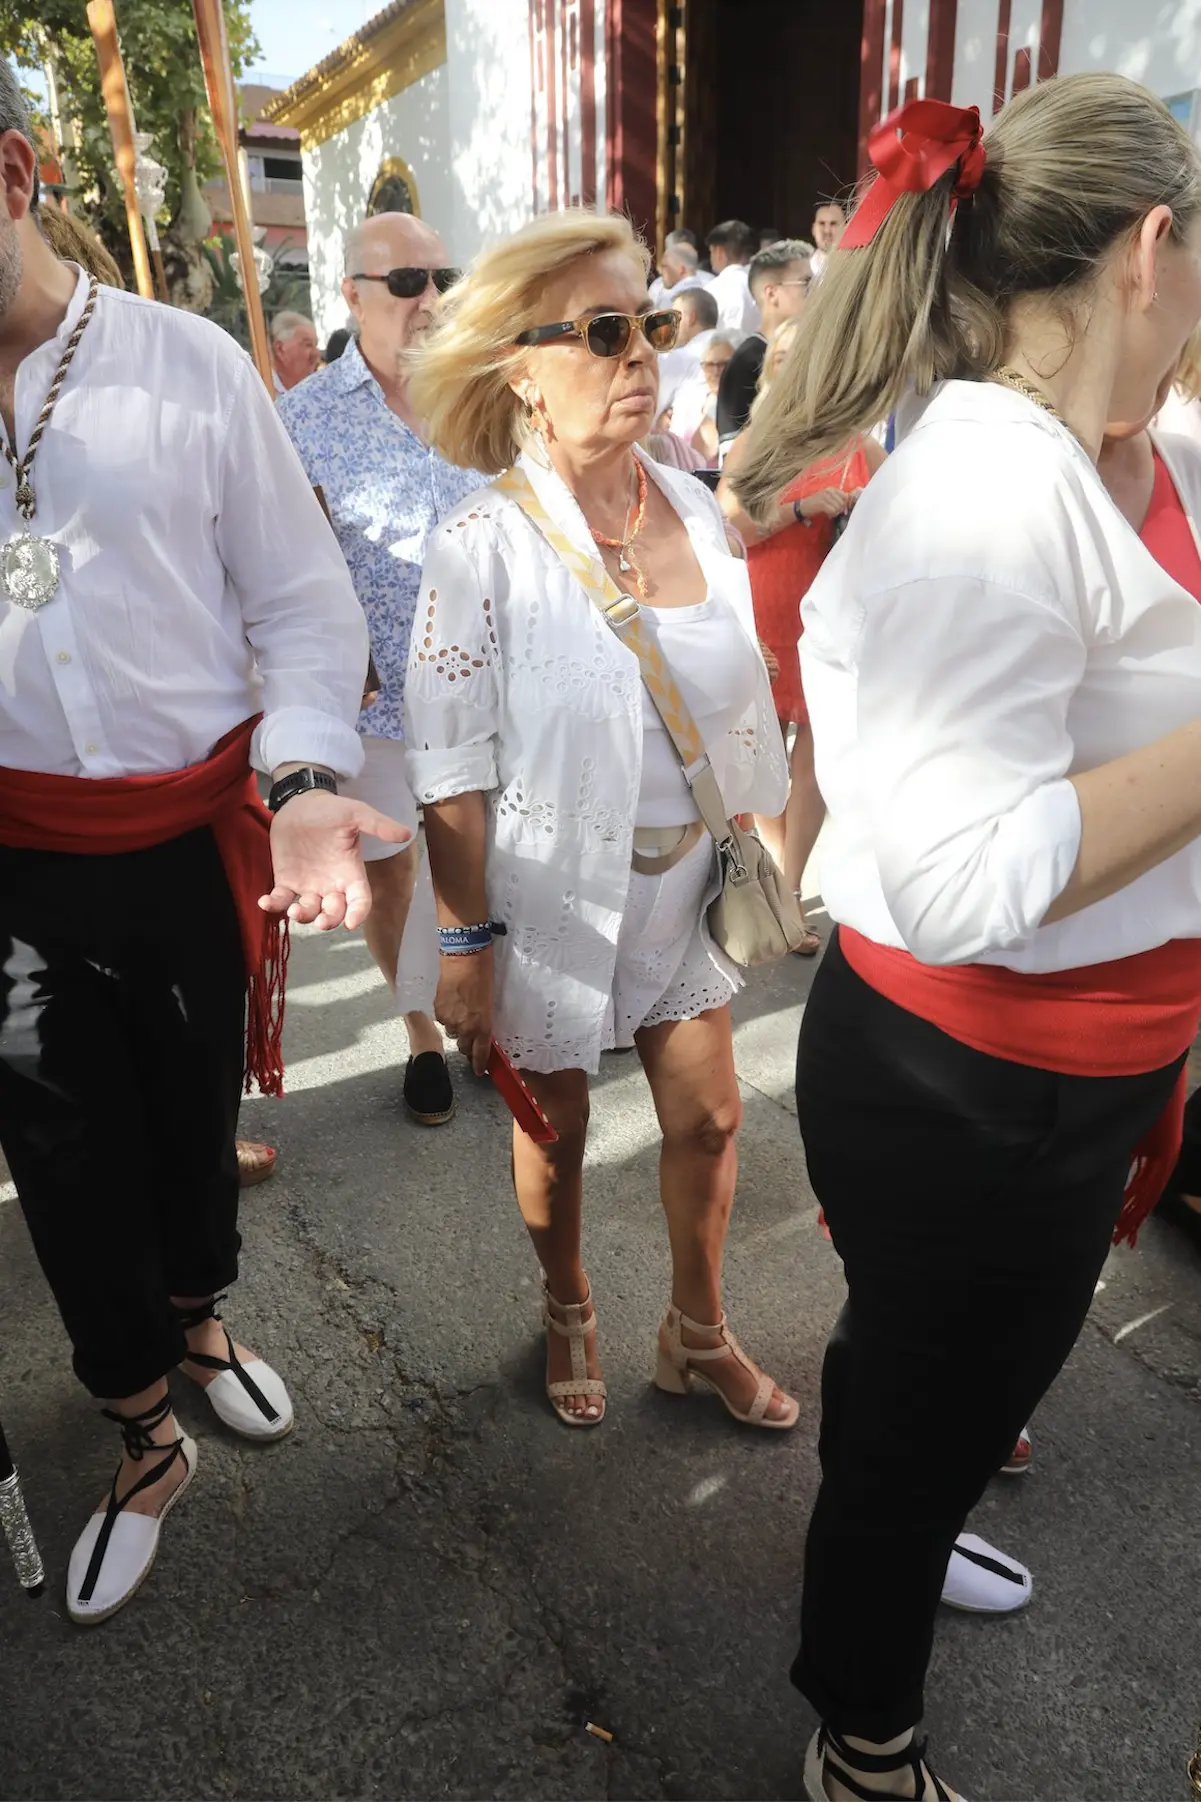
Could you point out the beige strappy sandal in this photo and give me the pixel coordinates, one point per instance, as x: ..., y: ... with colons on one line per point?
x: 575, y: 1329
x: 675, y: 1370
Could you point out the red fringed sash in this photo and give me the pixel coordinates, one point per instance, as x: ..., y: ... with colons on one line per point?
x: 132, y: 813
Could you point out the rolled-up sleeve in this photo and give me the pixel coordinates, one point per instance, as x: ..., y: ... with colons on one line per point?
x: 963, y: 695
x: 299, y: 608
x: 452, y: 691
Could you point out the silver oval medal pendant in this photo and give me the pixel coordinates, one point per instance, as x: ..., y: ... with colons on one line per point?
x: 29, y: 571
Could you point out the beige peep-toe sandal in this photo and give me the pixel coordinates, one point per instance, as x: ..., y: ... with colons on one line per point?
x: 676, y: 1369
x: 574, y: 1328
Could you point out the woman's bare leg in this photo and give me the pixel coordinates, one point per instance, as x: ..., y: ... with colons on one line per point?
x: 805, y: 811
x: 772, y: 827
x: 690, y: 1068
x: 549, y: 1184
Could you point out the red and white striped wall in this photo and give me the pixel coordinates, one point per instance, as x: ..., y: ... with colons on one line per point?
x: 567, y: 102
x: 983, y: 52
x: 975, y: 52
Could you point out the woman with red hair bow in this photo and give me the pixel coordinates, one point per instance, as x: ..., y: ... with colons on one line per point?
x: 1004, y: 688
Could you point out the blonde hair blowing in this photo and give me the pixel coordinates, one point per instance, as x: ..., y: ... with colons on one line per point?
x: 459, y: 376
x: 1073, y: 165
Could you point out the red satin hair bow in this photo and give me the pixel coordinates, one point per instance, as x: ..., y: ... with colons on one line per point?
x: 912, y: 149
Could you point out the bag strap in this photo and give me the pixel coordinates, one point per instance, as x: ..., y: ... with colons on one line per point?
x: 623, y: 614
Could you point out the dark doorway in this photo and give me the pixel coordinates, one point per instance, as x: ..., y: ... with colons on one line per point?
x: 771, y: 109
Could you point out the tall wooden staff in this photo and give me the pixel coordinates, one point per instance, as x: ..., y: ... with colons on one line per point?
x: 116, y: 103
x: 218, y: 79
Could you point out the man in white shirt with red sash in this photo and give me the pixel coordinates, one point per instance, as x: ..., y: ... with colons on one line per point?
x: 173, y: 608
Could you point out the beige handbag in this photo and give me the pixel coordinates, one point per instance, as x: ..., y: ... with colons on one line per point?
x: 754, y: 919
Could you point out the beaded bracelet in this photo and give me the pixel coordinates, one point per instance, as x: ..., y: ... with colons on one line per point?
x: 465, y: 941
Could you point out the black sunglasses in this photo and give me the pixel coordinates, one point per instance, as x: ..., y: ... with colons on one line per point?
x: 609, y: 334
x: 407, y: 284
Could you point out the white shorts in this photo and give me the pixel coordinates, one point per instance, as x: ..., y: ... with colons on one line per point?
x: 383, y: 783
x: 664, y: 970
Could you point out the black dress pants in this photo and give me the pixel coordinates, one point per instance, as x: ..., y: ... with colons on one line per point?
x: 1186, y: 1179
x: 972, y: 1201
x: 122, y: 997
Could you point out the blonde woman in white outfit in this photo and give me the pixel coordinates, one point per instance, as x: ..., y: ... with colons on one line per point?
x: 546, y: 775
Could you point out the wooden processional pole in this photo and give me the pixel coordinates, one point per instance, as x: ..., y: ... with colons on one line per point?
x: 218, y: 79
x: 113, y: 86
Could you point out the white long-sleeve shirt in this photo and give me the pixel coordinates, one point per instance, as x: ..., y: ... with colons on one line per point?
x: 989, y: 625
x: 200, y: 582
x: 737, y: 309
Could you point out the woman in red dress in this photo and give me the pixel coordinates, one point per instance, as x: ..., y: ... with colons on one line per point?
x: 782, y: 561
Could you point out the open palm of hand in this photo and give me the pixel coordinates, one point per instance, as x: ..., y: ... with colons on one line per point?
x: 317, y: 859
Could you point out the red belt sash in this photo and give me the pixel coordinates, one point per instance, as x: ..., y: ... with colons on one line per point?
x: 133, y: 813
x: 1114, y: 1019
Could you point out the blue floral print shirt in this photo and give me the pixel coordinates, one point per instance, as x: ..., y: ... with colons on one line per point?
x: 386, y: 491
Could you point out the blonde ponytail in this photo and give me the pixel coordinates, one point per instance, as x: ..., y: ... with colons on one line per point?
x: 1072, y: 165
x: 878, y: 323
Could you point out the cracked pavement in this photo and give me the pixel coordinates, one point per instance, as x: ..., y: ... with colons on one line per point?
x: 431, y: 1587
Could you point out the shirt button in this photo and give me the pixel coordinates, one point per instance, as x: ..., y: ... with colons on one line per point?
x: 91, y: 750
x: 63, y: 657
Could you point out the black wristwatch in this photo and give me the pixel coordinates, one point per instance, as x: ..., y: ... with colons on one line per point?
x: 297, y: 782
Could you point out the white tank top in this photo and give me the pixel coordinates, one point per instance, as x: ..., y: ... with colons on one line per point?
x: 716, y: 670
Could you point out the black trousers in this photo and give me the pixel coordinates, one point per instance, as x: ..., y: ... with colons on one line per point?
x: 1186, y: 1179
x: 972, y: 1202
x: 122, y: 995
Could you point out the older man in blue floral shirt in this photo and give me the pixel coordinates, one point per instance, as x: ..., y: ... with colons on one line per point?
x: 386, y: 491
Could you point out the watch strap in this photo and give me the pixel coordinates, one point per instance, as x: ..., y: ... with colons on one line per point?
x: 298, y: 782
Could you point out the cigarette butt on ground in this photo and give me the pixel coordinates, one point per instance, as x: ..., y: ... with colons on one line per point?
x: 599, y: 1732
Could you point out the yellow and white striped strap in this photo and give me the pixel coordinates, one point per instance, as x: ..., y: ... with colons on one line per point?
x: 624, y: 615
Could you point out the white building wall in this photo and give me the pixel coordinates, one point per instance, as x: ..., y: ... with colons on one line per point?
x: 490, y: 173
x: 915, y: 36
x: 413, y: 125
x: 1157, y: 42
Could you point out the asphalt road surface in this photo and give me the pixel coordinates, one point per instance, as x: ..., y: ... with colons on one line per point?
x: 431, y: 1587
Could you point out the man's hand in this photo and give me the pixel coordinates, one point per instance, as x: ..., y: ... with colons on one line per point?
x: 318, y: 866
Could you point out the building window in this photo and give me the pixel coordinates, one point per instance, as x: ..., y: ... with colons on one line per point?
x: 274, y: 174
x: 394, y: 189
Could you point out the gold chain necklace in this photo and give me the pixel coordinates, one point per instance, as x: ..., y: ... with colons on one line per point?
x: 1013, y: 378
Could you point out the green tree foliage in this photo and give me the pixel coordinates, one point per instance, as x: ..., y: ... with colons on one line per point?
x: 166, y: 86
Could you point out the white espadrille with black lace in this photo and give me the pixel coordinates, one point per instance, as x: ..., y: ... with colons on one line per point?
x: 981, y: 1580
x: 251, y: 1398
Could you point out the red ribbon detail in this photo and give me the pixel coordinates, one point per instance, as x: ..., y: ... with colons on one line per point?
x: 912, y: 149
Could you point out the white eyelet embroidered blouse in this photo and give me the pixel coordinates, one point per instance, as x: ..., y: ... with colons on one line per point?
x: 518, y: 688
x: 988, y: 625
